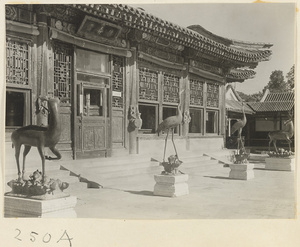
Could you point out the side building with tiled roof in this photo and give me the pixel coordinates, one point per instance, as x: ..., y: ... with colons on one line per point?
x: 111, y: 63
x: 270, y: 114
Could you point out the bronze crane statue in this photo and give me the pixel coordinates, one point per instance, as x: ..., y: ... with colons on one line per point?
x: 171, y: 123
x: 38, y: 136
x: 238, y: 126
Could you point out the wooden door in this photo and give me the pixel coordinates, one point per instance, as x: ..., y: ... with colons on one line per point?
x: 93, y: 123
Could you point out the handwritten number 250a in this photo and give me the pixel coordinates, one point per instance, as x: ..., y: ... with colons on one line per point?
x: 46, y: 238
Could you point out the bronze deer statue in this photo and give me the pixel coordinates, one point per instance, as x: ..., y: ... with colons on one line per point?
x: 38, y: 136
x: 282, y: 134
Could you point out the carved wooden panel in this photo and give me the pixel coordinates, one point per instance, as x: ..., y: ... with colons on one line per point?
x: 65, y: 123
x: 212, y: 95
x: 117, y: 126
x: 93, y: 138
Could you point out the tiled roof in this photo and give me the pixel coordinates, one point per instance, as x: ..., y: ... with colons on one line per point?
x: 271, y: 106
x: 235, y: 51
x: 274, y: 102
x: 236, y: 106
x: 280, y: 97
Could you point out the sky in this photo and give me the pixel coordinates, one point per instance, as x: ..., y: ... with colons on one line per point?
x: 256, y: 22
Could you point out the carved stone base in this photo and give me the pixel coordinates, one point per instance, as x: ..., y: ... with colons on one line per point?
x: 280, y: 164
x: 241, y: 171
x: 171, y: 185
x: 55, y: 208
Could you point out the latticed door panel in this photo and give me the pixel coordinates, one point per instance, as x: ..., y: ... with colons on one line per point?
x: 196, y: 92
x: 148, y: 85
x: 63, y: 65
x: 118, y: 82
x: 17, y: 62
x: 62, y: 86
x: 170, y: 88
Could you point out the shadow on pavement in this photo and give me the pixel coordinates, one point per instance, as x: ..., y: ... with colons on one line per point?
x: 143, y: 192
x: 217, y: 177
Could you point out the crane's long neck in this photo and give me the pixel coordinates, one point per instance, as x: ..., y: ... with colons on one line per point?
x: 244, y: 115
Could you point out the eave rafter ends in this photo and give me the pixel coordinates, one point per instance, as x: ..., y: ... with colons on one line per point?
x: 240, y: 75
x: 237, y: 51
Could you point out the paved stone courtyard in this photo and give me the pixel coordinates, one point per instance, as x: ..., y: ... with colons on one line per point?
x: 270, y: 195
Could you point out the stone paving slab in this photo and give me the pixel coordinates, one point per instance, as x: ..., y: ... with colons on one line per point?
x: 269, y: 195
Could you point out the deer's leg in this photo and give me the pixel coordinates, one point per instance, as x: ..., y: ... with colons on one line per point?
x: 289, y: 142
x: 165, y: 145
x: 56, y: 152
x: 274, y: 142
x: 174, y: 143
x: 41, y: 152
x: 26, y: 151
x: 17, y: 155
x: 270, y: 145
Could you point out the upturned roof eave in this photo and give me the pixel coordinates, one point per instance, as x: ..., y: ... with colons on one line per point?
x: 138, y: 19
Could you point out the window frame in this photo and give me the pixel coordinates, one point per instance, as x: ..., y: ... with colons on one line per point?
x: 201, y: 109
x: 26, y: 110
x: 216, y: 121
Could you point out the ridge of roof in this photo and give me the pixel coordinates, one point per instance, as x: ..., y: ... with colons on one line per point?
x: 146, y: 22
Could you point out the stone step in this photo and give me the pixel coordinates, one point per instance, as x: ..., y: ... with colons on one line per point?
x: 125, y: 168
x: 99, y: 176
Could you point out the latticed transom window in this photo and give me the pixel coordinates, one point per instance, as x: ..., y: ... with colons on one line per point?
x: 148, y: 85
x: 17, y: 62
x: 63, y: 64
x: 196, y: 92
x: 117, y: 82
x: 171, y: 88
x: 212, y: 95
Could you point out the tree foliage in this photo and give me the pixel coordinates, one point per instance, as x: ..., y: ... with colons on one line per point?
x: 276, y: 84
x: 291, y: 78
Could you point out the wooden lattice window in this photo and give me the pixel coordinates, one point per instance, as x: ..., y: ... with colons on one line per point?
x: 148, y: 85
x: 171, y: 88
x: 212, y: 95
x: 117, y: 82
x: 196, y: 92
x: 63, y: 64
x: 17, y: 62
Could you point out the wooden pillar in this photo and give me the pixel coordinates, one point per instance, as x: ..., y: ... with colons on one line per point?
x: 204, y: 107
x: 222, y: 107
x: 133, y: 96
x: 186, y: 100
x: 42, y: 62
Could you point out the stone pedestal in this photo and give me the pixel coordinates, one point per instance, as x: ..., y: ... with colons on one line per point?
x: 241, y: 171
x: 54, y: 208
x: 280, y: 164
x: 171, y: 185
